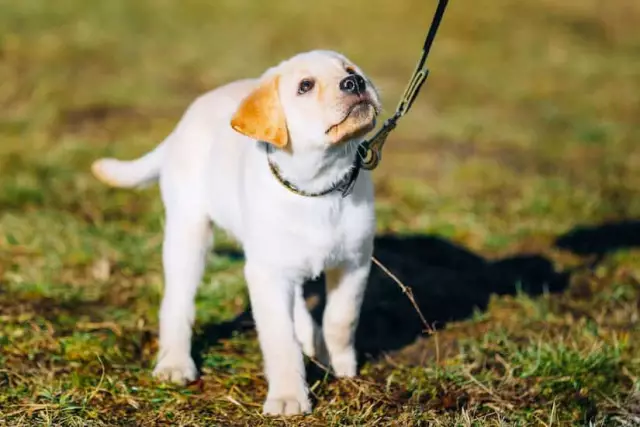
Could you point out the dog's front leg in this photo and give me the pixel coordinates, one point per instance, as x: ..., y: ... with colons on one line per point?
x: 272, y: 303
x: 186, y: 242
x: 345, y: 290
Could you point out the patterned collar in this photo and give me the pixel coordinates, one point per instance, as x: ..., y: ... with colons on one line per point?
x: 344, y: 186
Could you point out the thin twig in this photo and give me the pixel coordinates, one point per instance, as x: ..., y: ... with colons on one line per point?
x: 405, y: 290
x: 97, y: 389
x: 235, y: 402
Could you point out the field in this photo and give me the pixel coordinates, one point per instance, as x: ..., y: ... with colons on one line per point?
x: 508, y: 199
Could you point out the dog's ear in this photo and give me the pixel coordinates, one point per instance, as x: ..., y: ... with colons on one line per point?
x: 260, y: 115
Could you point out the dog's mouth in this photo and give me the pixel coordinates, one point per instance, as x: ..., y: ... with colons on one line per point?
x: 360, y: 118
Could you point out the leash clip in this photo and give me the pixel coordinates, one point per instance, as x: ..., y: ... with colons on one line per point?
x: 370, y: 151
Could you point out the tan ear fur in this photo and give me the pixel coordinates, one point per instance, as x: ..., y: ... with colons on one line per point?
x: 260, y: 115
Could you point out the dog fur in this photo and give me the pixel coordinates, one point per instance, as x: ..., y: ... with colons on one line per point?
x: 213, y: 167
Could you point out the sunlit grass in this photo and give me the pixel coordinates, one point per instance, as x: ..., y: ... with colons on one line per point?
x: 526, y: 128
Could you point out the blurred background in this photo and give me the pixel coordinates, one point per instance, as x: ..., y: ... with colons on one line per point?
x: 527, y: 129
x: 531, y: 108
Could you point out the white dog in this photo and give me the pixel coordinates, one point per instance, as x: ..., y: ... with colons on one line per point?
x: 260, y: 158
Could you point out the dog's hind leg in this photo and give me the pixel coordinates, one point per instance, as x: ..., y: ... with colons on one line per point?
x: 307, y: 330
x: 188, y: 238
x: 345, y: 291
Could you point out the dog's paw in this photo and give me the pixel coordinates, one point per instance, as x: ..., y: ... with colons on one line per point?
x: 287, y: 406
x: 178, y: 370
x: 345, y: 364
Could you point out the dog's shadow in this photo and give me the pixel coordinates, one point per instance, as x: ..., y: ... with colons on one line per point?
x: 448, y: 283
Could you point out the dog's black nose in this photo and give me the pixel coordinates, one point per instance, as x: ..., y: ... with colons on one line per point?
x: 353, y: 83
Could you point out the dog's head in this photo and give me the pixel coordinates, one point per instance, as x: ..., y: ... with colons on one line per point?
x: 315, y: 99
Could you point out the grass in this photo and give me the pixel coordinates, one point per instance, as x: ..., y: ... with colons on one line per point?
x: 526, y: 130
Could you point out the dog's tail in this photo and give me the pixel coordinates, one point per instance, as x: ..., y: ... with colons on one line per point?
x: 139, y: 173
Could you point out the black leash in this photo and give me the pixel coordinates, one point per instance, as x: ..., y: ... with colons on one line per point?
x: 370, y: 151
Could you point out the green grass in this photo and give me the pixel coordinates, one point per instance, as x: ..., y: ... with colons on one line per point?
x: 526, y: 129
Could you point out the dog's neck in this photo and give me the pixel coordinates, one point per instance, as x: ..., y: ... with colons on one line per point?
x: 315, y: 170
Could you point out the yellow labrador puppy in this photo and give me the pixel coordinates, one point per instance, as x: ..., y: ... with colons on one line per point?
x: 234, y: 159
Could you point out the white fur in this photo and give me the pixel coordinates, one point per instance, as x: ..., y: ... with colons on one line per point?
x: 210, y: 173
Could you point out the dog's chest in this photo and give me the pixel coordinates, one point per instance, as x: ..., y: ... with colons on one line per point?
x: 306, y: 235
x: 328, y: 236
x: 323, y: 243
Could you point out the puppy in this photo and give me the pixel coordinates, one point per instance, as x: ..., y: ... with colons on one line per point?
x: 233, y: 160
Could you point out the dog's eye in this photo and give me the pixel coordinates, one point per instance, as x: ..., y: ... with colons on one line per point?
x: 305, y: 86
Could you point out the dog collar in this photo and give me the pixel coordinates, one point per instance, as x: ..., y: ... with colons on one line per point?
x: 344, y: 186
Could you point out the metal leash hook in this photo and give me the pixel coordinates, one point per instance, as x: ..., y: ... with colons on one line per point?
x: 370, y: 151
